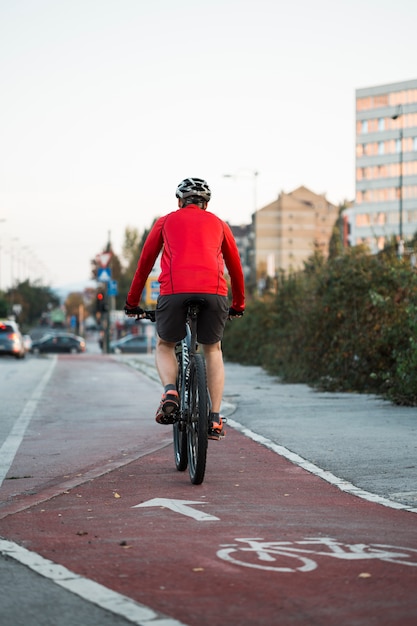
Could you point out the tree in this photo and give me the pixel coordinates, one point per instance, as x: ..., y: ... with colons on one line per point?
x: 336, y: 239
x: 34, y: 300
x: 132, y: 248
x: 73, y: 303
x: 3, y: 305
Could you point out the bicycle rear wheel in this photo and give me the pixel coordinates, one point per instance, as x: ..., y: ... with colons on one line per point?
x: 197, y: 423
x: 179, y: 428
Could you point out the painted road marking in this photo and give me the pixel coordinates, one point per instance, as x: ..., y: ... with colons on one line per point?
x: 179, y: 506
x: 11, y: 445
x: 87, y: 589
x: 277, y: 555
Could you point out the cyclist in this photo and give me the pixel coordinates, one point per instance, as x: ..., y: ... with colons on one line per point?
x: 196, y: 246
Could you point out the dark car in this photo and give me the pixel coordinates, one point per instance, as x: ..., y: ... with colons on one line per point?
x: 132, y: 344
x: 11, y: 339
x: 58, y: 342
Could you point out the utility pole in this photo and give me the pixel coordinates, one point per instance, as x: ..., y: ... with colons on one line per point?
x: 399, y: 115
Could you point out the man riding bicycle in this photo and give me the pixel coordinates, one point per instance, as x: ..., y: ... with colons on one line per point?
x: 196, y: 246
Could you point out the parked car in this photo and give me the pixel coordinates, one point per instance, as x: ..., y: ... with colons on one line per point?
x: 11, y: 339
x: 58, y: 342
x: 27, y: 342
x: 133, y: 344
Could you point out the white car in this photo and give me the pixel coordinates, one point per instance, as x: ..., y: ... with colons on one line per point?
x: 11, y: 339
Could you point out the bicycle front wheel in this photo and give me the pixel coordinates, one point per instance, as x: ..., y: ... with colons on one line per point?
x: 197, y: 424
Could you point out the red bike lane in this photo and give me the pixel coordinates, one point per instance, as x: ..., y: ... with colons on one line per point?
x: 335, y: 566
x: 261, y: 541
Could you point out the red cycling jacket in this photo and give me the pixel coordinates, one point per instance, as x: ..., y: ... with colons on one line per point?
x: 196, y: 245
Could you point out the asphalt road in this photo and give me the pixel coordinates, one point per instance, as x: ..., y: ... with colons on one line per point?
x: 89, y: 455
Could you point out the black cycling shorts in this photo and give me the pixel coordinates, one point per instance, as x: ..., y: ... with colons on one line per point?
x: 171, y: 315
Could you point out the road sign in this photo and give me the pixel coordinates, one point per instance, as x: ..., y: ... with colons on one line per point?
x: 104, y: 274
x: 112, y: 288
x: 104, y: 258
x: 152, y: 290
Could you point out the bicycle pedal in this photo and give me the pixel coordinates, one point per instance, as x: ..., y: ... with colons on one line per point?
x: 167, y: 418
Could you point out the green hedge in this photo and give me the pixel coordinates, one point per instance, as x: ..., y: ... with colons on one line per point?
x: 348, y: 324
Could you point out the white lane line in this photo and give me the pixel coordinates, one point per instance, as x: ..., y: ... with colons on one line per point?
x: 344, y: 485
x: 11, y: 444
x: 87, y: 589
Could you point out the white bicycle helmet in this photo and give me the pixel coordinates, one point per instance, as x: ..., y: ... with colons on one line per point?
x: 193, y: 187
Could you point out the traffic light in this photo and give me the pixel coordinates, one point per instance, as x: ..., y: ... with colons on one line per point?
x: 101, y: 304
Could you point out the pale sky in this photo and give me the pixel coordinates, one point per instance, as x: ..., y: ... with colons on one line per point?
x: 106, y: 105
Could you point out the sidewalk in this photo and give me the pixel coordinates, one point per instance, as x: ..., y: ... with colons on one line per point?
x: 365, y: 442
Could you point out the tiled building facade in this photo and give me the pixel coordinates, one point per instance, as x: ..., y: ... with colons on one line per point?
x: 386, y: 166
x: 288, y: 230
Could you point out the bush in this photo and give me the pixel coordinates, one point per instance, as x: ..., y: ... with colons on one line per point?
x: 246, y: 337
x: 347, y: 324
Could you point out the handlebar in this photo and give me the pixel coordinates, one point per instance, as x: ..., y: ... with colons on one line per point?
x: 142, y: 314
x: 149, y: 314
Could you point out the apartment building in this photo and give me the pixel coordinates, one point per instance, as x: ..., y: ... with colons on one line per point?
x: 244, y: 235
x: 386, y: 166
x: 288, y: 230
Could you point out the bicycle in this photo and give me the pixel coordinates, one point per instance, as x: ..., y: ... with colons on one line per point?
x: 190, y: 429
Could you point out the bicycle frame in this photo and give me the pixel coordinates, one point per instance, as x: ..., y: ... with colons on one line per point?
x: 190, y: 429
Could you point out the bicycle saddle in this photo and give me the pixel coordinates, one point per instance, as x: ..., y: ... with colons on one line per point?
x: 201, y: 302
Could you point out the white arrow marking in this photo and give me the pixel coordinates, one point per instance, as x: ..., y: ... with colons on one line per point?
x: 179, y: 506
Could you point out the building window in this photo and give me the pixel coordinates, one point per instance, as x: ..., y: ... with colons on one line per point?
x: 398, y: 145
x: 381, y: 123
x: 381, y: 147
x: 362, y: 220
x: 365, y: 126
x: 415, y: 144
x: 380, y: 242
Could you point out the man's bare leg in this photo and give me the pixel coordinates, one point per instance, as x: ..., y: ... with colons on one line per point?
x: 166, y: 362
x: 215, y: 374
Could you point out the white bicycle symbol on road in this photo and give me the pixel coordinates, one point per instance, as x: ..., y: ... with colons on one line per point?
x: 278, y: 556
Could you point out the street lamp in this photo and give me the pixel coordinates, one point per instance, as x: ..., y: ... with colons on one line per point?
x: 399, y: 115
x: 251, y: 249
